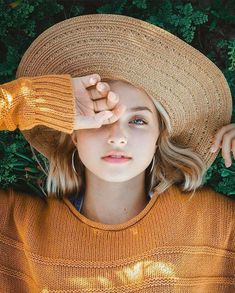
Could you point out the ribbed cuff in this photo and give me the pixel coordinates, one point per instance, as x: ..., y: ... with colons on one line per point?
x: 53, y: 103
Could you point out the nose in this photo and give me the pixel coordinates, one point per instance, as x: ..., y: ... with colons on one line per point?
x: 117, y: 135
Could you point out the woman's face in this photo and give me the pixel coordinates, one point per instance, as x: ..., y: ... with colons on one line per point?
x: 135, y: 133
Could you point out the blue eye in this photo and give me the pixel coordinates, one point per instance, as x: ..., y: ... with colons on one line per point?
x: 138, y: 119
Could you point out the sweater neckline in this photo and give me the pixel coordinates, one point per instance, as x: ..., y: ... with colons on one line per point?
x: 112, y: 227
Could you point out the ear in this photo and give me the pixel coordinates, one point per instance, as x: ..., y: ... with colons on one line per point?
x: 73, y: 137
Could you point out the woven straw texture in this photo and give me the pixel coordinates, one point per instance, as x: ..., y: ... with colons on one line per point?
x: 190, y: 87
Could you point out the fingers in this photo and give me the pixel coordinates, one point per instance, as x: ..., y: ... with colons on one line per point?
x: 100, y: 118
x: 102, y: 106
x: 89, y: 80
x: 226, y: 149
x: 100, y: 91
x: 219, y: 135
x: 103, y: 87
x: 80, y: 84
x: 106, y: 104
x: 233, y: 148
x: 117, y: 113
x: 107, y: 109
x: 225, y: 139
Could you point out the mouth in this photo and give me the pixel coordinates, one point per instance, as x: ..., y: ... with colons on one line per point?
x: 113, y: 159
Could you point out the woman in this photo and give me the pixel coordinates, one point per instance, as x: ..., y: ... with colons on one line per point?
x: 111, y: 224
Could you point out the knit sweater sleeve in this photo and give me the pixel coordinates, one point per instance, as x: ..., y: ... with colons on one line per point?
x: 39, y: 100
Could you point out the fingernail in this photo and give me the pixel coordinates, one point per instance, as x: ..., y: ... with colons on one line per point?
x: 107, y: 114
x: 112, y: 96
x: 93, y: 80
x: 227, y: 164
x: 102, y: 86
x: 213, y: 149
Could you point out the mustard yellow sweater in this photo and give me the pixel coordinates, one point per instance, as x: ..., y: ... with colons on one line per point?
x: 173, y: 245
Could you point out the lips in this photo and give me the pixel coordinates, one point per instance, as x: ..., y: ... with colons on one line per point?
x: 116, y: 155
x: 116, y: 160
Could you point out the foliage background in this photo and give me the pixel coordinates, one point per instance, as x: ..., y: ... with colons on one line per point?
x: 209, y: 26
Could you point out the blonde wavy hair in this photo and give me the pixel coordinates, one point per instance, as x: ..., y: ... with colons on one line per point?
x: 174, y: 164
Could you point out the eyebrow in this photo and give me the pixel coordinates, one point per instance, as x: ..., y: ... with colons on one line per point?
x: 140, y: 108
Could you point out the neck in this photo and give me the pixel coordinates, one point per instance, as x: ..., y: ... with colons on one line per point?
x: 113, y: 202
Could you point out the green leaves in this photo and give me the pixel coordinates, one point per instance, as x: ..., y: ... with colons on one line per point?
x: 231, y: 54
x: 112, y: 7
x: 187, y: 19
x: 140, y: 4
x: 179, y: 19
x: 20, y: 22
x: 17, y: 165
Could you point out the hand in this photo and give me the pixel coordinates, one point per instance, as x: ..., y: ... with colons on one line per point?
x: 95, y: 106
x: 227, y: 135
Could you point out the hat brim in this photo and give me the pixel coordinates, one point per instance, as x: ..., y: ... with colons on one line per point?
x: 190, y: 87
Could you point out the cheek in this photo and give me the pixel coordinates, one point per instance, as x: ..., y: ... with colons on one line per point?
x: 85, y: 137
x: 145, y: 137
x: 143, y: 145
x: 87, y: 145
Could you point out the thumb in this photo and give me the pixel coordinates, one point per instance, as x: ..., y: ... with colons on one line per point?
x: 96, y: 121
x: 100, y: 117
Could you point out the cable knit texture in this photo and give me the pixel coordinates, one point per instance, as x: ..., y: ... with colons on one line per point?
x: 175, y: 244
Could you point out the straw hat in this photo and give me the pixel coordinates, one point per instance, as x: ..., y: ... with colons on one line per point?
x: 190, y: 87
